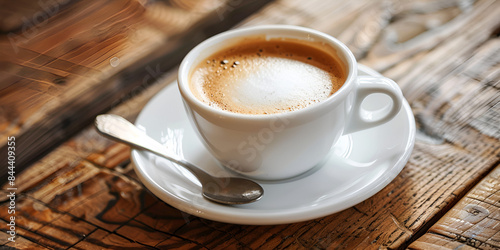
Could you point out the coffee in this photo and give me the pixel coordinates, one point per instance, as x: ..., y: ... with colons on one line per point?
x: 265, y: 76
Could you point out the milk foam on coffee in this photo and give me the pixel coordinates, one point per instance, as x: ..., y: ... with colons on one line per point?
x: 260, y: 76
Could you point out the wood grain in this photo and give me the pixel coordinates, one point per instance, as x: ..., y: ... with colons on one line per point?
x: 447, y: 65
x: 474, y: 221
x: 101, y: 239
x: 43, y: 225
x: 85, y: 189
x: 21, y: 242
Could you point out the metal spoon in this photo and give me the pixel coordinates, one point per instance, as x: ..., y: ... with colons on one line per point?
x: 225, y: 190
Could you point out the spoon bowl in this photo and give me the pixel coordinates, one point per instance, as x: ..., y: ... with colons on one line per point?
x: 223, y: 190
x: 235, y: 191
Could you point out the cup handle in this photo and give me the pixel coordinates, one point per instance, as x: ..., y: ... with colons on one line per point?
x: 360, y: 118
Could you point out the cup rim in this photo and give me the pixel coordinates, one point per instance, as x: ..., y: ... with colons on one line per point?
x: 190, y: 58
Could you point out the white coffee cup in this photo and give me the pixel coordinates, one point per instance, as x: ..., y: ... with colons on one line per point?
x: 283, y: 145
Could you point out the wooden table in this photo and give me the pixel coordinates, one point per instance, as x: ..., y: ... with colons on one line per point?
x: 64, y: 62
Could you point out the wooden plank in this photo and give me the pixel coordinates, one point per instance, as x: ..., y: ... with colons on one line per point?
x: 78, y: 180
x: 432, y: 241
x: 19, y: 243
x: 474, y: 221
x: 101, y: 239
x: 116, y: 206
x: 151, y: 237
x: 36, y: 222
x: 88, y: 151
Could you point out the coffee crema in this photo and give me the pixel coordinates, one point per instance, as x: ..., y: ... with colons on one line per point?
x: 267, y: 76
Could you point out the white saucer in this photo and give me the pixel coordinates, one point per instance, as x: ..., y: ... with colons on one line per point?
x: 360, y: 165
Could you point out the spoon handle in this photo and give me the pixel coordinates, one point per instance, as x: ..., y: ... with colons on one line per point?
x: 118, y: 128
